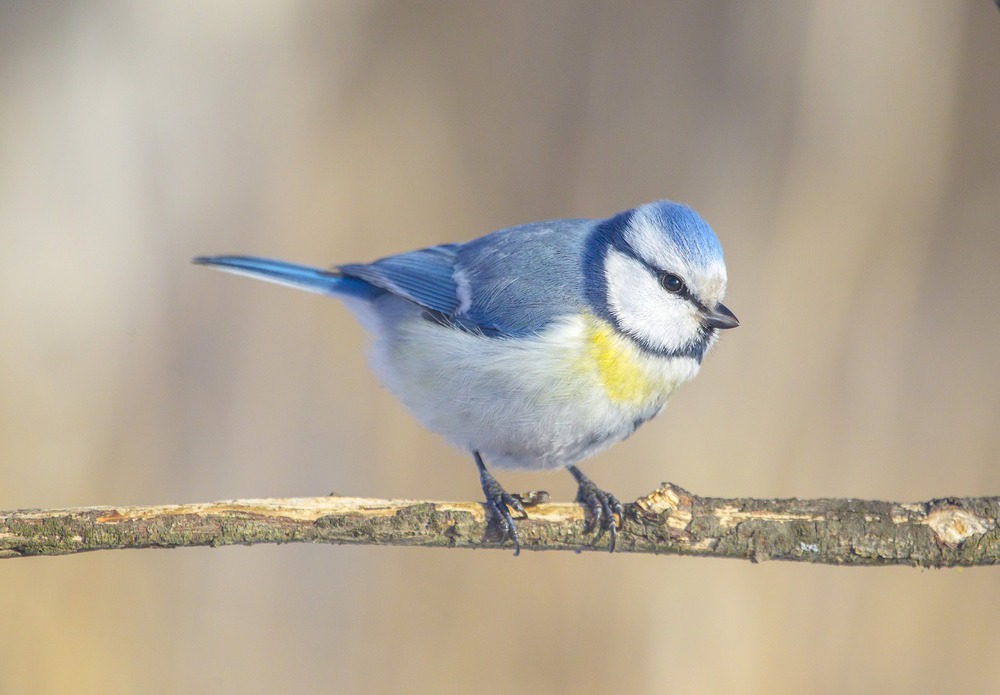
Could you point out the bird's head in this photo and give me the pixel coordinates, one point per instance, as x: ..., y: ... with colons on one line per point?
x: 658, y: 275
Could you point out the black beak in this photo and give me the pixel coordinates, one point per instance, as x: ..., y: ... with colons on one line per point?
x: 721, y: 317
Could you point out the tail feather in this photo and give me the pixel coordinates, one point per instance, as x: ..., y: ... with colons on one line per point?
x: 301, y: 277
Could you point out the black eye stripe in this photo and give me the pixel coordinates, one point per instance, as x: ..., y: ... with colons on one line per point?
x: 660, y: 275
x: 666, y: 278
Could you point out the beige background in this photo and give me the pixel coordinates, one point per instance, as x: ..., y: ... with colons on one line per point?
x: 847, y: 154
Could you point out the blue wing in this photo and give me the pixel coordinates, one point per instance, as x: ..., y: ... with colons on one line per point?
x: 508, y: 283
x: 520, y: 279
x: 425, y: 277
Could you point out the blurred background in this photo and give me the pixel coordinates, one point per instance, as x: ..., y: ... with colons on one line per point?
x: 846, y: 153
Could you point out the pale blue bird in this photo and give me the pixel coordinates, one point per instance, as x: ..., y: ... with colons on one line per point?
x: 539, y: 345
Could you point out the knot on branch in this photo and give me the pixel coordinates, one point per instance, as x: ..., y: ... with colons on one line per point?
x: 954, y: 525
x: 668, y: 509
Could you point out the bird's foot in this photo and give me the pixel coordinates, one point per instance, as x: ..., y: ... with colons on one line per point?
x: 603, y: 507
x: 500, y: 503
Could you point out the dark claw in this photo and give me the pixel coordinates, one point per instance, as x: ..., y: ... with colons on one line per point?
x: 500, y: 504
x: 603, y: 507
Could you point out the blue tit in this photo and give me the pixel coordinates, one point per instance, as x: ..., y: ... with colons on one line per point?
x: 538, y: 345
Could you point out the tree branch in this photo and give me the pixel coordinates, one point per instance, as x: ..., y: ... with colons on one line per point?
x: 669, y: 520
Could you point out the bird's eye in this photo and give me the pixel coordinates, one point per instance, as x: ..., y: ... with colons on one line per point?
x: 671, y: 283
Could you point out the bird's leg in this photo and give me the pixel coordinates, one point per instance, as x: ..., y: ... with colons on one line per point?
x: 500, y: 503
x: 602, y: 506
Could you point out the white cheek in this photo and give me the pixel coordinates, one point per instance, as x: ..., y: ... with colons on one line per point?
x: 645, y: 309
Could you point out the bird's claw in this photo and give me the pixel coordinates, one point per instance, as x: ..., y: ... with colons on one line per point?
x: 604, y: 508
x: 500, y: 506
x: 500, y: 503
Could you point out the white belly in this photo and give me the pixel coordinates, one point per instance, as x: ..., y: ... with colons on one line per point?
x: 544, y: 401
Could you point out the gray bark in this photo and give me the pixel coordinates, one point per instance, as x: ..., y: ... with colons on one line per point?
x: 939, y: 533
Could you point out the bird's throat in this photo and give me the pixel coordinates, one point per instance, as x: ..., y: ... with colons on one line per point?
x: 620, y: 366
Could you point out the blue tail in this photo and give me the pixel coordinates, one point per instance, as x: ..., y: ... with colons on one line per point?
x: 300, y: 277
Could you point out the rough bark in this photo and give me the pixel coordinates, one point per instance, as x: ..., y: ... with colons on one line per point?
x: 669, y: 520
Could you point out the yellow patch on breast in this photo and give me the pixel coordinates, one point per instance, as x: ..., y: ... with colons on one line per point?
x: 618, y: 365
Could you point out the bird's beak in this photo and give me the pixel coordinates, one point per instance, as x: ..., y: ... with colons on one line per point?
x: 721, y: 317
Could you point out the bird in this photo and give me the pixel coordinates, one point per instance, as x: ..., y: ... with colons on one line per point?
x: 539, y: 345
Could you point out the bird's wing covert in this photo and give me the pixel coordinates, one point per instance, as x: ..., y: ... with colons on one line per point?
x: 425, y: 277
